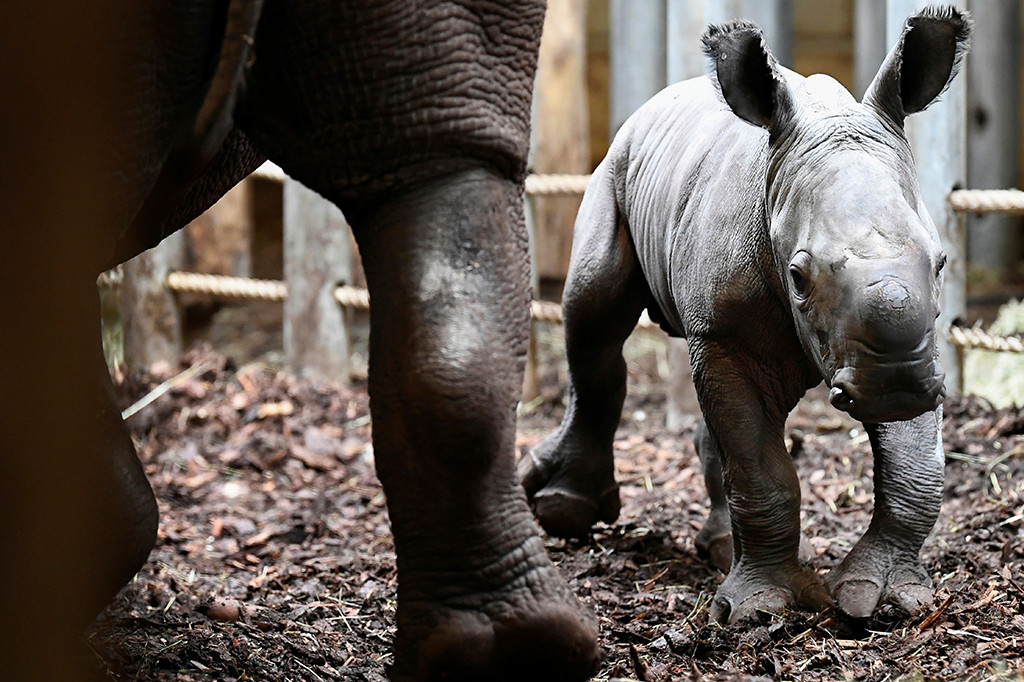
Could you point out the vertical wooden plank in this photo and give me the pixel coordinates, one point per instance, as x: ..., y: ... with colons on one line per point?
x: 993, y: 240
x: 316, y: 260
x: 150, y: 313
x: 638, y: 56
x: 775, y: 17
x: 687, y: 21
x: 219, y: 242
x: 561, y: 129
x: 938, y: 137
x: 869, y: 42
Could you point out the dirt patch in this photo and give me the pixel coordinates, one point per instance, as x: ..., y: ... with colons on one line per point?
x: 275, y: 560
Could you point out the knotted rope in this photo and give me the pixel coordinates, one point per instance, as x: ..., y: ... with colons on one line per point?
x: 987, y: 201
x: 961, y: 200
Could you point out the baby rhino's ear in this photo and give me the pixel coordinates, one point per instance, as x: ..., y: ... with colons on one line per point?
x: 747, y: 75
x: 923, y: 63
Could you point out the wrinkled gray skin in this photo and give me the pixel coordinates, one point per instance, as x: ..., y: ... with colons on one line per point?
x: 777, y: 225
x: 415, y: 122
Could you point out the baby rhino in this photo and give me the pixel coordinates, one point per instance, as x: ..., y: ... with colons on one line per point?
x: 776, y: 224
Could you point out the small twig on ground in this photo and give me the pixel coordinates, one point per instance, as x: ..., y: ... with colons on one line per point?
x: 1009, y: 578
x: 934, y: 616
x: 639, y: 667
x: 152, y: 396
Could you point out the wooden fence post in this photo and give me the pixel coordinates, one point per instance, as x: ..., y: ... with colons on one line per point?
x: 317, y: 258
x: 151, y: 317
x: 560, y: 144
x: 561, y: 128
x: 869, y: 42
x: 994, y: 240
x: 219, y: 242
x: 775, y: 17
x: 938, y: 137
x: 686, y: 21
x: 637, y: 56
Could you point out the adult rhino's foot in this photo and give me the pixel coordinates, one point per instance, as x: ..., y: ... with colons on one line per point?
x: 876, y: 573
x: 746, y: 591
x: 533, y: 628
x: 570, y: 486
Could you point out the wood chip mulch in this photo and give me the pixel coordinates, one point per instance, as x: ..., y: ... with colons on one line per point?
x: 275, y: 560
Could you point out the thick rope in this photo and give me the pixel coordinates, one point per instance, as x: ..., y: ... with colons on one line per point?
x: 541, y: 311
x: 972, y: 337
x: 111, y: 279
x: 961, y: 200
x: 535, y: 184
x: 226, y: 287
x: 556, y: 184
x: 352, y: 297
x: 987, y: 201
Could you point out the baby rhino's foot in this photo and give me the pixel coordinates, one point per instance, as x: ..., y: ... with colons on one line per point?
x: 748, y: 590
x: 569, y: 490
x: 875, y: 573
x: 714, y: 541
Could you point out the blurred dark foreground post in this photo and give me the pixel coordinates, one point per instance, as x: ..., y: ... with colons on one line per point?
x: 58, y: 63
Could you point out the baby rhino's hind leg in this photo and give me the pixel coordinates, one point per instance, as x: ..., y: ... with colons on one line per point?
x: 570, y: 476
x: 714, y: 540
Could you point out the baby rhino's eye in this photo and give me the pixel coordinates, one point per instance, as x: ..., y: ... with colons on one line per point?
x: 799, y: 281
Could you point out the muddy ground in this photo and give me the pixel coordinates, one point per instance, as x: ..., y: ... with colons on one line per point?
x: 275, y: 561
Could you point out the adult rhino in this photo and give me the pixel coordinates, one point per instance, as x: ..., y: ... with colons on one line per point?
x: 776, y: 224
x: 120, y: 122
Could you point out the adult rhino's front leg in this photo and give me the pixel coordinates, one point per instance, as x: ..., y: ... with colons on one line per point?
x: 745, y: 415
x: 478, y: 599
x: 884, y: 567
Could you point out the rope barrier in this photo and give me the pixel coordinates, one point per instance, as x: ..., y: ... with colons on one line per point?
x: 111, y: 279
x: 536, y: 184
x: 962, y: 200
x: 556, y: 184
x: 987, y: 201
x: 352, y: 297
x: 541, y: 311
x: 226, y: 287
x: 972, y: 337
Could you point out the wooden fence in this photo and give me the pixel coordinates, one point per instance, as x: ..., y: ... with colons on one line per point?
x: 650, y: 44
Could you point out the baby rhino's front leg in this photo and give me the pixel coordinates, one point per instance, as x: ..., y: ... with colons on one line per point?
x: 762, y: 488
x: 884, y: 567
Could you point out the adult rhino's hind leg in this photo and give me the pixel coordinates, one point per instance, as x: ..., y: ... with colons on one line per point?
x: 570, y: 476
x: 447, y: 267
x: 884, y: 567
